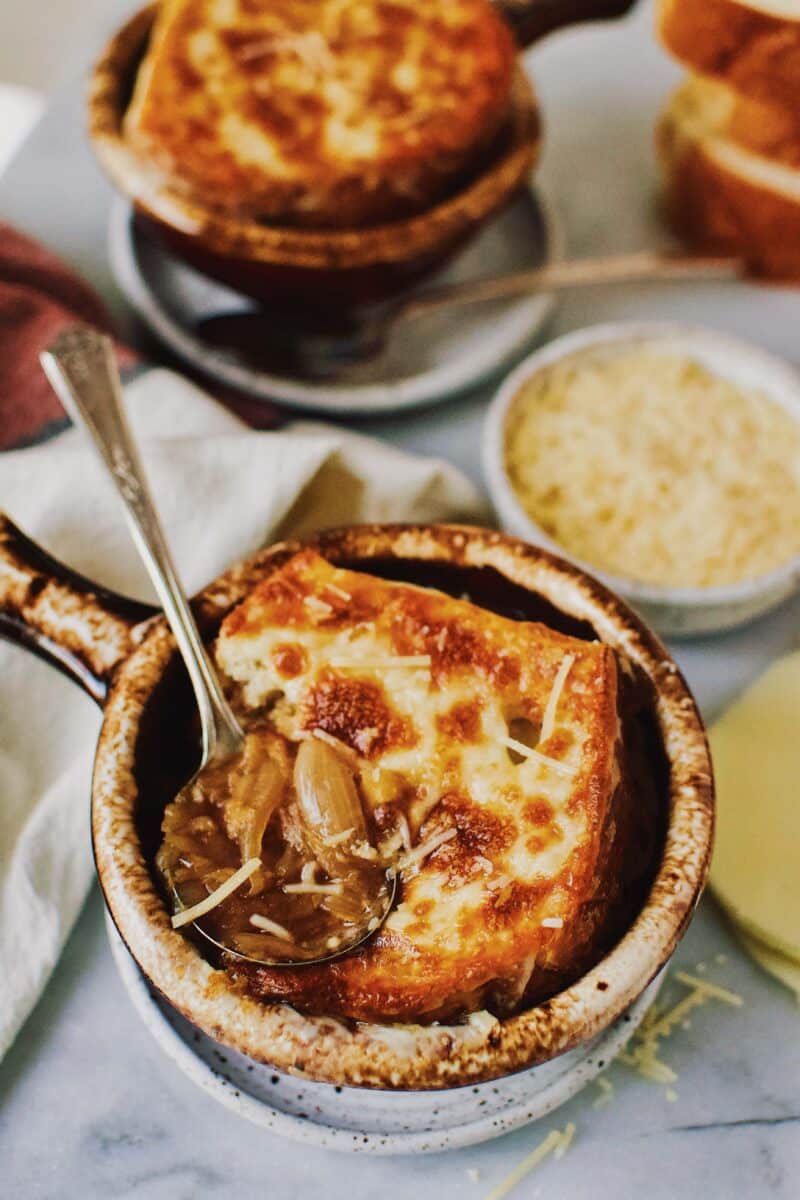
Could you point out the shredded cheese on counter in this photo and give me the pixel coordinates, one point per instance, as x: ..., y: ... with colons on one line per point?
x: 642, y: 1054
x: 556, y: 1142
x: 606, y: 1089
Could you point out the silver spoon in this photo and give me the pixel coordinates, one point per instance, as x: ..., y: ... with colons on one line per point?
x: 82, y: 369
x: 326, y: 345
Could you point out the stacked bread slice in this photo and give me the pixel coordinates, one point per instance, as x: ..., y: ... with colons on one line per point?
x: 729, y: 139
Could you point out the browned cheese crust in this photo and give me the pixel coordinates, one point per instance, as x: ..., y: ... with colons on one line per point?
x: 520, y: 900
x: 318, y: 112
x: 755, y: 51
x: 719, y: 209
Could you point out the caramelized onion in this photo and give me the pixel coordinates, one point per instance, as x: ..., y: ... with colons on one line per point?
x: 329, y: 804
x: 256, y: 789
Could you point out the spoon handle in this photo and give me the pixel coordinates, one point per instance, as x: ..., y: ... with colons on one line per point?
x: 82, y: 369
x: 644, y: 267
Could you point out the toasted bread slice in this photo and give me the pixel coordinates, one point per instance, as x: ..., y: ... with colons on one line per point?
x: 753, y: 45
x: 319, y: 112
x: 516, y: 860
x: 762, y: 127
x: 722, y: 197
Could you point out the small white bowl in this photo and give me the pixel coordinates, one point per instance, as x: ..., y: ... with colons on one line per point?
x: 671, y: 610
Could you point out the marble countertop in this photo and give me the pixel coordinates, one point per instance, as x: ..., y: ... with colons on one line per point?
x: 90, y: 1107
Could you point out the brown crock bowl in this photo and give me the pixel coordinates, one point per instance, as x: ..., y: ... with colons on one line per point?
x: 274, y: 263
x: 147, y: 748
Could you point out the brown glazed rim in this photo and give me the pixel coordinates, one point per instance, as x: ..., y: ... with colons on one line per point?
x: 409, y: 1057
x: 400, y: 241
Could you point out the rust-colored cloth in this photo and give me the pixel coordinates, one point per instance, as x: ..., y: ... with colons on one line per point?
x: 39, y: 297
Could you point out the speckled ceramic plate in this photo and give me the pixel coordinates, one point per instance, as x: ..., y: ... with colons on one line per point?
x: 365, y: 1120
x: 426, y: 361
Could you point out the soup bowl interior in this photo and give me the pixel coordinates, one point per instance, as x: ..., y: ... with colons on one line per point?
x: 149, y: 746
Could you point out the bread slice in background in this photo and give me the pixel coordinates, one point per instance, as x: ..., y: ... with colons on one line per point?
x: 763, y: 128
x: 722, y: 197
x: 752, y: 46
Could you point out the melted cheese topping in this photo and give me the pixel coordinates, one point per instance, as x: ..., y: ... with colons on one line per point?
x: 502, y: 847
x: 286, y: 107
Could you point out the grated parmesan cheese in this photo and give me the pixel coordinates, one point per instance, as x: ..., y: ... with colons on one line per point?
x: 268, y: 926
x: 425, y: 848
x: 313, y: 889
x: 642, y: 1055
x: 643, y: 463
x: 535, y: 756
x: 362, y: 850
x: 217, y: 896
x: 412, y: 661
x: 404, y: 831
x: 556, y: 1142
x: 335, y: 744
x: 606, y: 1089
x: 566, y: 1140
x: 549, y: 718
x: 708, y: 989
x: 315, y: 605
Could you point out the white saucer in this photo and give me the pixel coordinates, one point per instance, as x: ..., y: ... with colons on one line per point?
x: 427, y: 361
x: 364, y: 1120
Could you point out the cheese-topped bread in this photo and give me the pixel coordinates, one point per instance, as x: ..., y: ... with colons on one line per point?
x: 320, y: 112
x: 488, y: 756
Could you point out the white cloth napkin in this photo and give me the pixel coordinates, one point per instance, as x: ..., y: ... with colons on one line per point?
x: 222, y: 491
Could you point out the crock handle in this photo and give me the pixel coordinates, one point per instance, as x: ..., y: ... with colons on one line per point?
x: 532, y: 19
x: 75, y: 625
